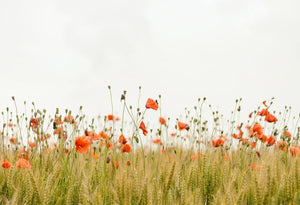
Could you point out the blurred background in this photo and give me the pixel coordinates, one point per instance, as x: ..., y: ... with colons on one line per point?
x: 65, y: 53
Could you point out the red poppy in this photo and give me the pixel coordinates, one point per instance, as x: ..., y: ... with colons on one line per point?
x: 128, y: 163
x: 57, y: 120
x: 122, y: 139
x: 10, y: 124
x: 162, y: 120
x: 294, y: 150
x: 151, y: 104
x: 263, y: 138
x: 258, y: 129
x: 245, y: 142
x: 93, y: 135
x: 6, y: 164
x: 58, y: 131
x: 281, y: 145
x: 110, y: 117
x: 218, y: 142
x: 270, y: 118
x: 287, y: 134
x: 69, y: 119
x: 271, y: 141
x: 13, y: 140
x: 181, y: 126
x: 31, y: 144
x: 116, y: 164
x: 173, y: 134
x: 104, y: 135
x: 34, y: 123
x: 264, y: 102
x: 23, y: 163
x: 126, y: 148
x: 82, y: 144
x: 143, y: 128
x: 24, y: 154
x: 255, y: 166
x: 263, y: 112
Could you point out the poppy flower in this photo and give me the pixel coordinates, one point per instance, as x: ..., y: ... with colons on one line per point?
x: 173, y: 134
x: 263, y: 138
x: 13, y: 140
x: 162, y: 120
x: 258, y: 129
x: 93, y: 135
x: 270, y: 118
x: 250, y: 115
x: 24, y: 154
x: 82, y: 144
x: 287, y: 134
x: 126, y: 148
x: 253, y: 145
x: 245, y: 142
x: 34, y: 123
x: 69, y: 119
x: 57, y: 120
x: 23, y: 163
x: 281, y: 145
x: 31, y: 144
x: 218, y: 142
x: 128, y: 163
x: 6, y: 164
x: 143, y: 128
x: 116, y: 164
x: 181, y: 126
x: 58, y: 131
x: 10, y: 124
x: 263, y: 112
x: 255, y: 167
x: 195, y: 156
x: 237, y: 136
x: 294, y: 151
x: 110, y: 117
x: 156, y: 141
x: 122, y: 139
x: 264, y: 102
x: 151, y: 104
x: 271, y: 141
x: 103, y: 135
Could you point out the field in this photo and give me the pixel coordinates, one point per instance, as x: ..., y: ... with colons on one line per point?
x: 66, y: 159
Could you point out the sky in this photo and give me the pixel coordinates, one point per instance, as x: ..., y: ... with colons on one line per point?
x: 65, y: 53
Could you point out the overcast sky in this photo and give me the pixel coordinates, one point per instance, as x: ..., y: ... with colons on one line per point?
x: 65, y: 53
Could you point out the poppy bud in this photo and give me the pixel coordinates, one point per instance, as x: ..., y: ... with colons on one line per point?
x: 122, y: 97
x: 107, y: 159
x: 187, y: 127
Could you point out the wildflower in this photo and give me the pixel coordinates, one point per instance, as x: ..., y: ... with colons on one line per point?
x: 257, y: 128
x: 6, y: 164
x: 181, y: 126
x: 31, y: 144
x: 245, y: 142
x: 287, y: 134
x: 69, y: 119
x: 253, y: 145
x: 143, y: 128
x: 116, y: 164
x: 24, y: 154
x: 23, y: 163
x: 93, y: 135
x: 195, y: 156
x: 151, y: 104
x: 107, y: 159
x: 13, y: 140
x: 218, y: 142
x: 103, y: 135
x: 173, y: 134
x: 271, y: 141
x: 156, y: 141
x: 128, y: 163
x: 82, y: 144
x: 294, y: 150
x: 122, y: 139
x: 126, y: 148
x: 10, y: 124
x: 263, y: 112
x: 281, y: 145
x: 264, y: 102
x: 34, y: 123
x: 255, y: 167
x: 162, y: 120
x: 110, y: 117
x: 250, y: 115
x: 270, y: 118
x: 263, y: 138
x: 58, y: 121
x: 58, y: 131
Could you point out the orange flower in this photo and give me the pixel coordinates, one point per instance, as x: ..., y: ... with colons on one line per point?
x: 245, y: 142
x: 181, y: 126
x: 270, y: 118
x: 69, y: 119
x: 151, y: 104
x: 58, y: 131
x: 122, y: 139
x: 10, y: 124
x: 23, y: 163
x: 271, y: 141
x: 126, y: 148
x: 34, y: 123
x: 128, y: 163
x: 253, y: 145
x: 173, y: 134
x: 263, y: 138
x: 258, y: 129
x: 255, y: 166
x: 162, y: 120
x: 263, y: 112
x: 195, y: 156
x: 116, y: 164
x: 13, y: 140
x: 31, y: 144
x: 287, y: 134
x: 282, y: 145
x: 143, y: 128
x: 110, y: 117
x: 57, y: 120
x: 218, y: 142
x: 82, y: 144
x: 156, y: 141
x: 6, y: 164
x: 294, y: 150
x: 93, y: 135
x: 24, y: 154
x: 104, y: 135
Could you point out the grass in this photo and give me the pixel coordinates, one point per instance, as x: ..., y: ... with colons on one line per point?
x: 64, y: 170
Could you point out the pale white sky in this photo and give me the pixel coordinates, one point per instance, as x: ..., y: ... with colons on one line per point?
x: 65, y: 53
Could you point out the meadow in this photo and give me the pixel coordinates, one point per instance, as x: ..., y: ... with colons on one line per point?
x: 66, y: 159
